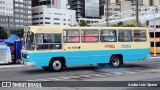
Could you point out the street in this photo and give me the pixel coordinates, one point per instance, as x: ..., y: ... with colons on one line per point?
x: 147, y: 70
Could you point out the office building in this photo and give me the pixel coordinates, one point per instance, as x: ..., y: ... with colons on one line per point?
x: 52, y: 13
x: 85, y: 8
x: 15, y: 14
x: 47, y: 16
x: 119, y: 6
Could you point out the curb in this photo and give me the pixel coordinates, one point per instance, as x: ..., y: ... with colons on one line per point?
x: 10, y: 66
x: 155, y: 57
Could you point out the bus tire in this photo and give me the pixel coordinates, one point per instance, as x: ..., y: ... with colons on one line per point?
x: 116, y: 61
x: 56, y: 65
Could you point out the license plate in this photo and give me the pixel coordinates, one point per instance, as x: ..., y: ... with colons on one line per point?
x: 158, y: 48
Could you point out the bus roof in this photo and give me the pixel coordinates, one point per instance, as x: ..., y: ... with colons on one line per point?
x: 58, y: 29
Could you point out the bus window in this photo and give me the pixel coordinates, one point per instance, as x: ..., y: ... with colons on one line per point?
x: 89, y: 36
x: 49, y: 41
x: 157, y: 44
x: 151, y: 34
x: 108, y: 36
x: 158, y: 34
x: 140, y: 35
x: 125, y: 36
x: 30, y: 41
x: 71, y: 36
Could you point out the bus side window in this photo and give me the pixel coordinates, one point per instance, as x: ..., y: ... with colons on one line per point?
x: 49, y: 41
x: 71, y: 36
x: 108, y: 36
x: 140, y: 35
x: 90, y: 36
x: 125, y: 36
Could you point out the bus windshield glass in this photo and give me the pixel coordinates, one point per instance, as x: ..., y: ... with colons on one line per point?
x: 29, y: 41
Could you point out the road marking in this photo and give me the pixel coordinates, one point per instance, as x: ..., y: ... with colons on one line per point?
x: 98, y: 75
x: 11, y: 66
x: 39, y: 80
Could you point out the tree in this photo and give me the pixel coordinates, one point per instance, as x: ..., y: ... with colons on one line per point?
x: 18, y: 32
x: 83, y: 23
x: 120, y: 24
x: 3, y: 33
x: 129, y: 24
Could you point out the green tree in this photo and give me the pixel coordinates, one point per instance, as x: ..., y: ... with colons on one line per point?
x: 119, y: 24
x: 18, y: 32
x: 3, y: 33
x: 83, y: 23
x: 129, y: 24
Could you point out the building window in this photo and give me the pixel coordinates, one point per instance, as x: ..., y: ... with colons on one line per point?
x: 56, y: 23
x: 41, y: 22
x: 90, y: 36
x: 125, y: 36
x: 35, y: 19
x: 108, y: 36
x: 47, y: 22
x: 56, y: 18
x: 35, y: 14
x: 35, y: 23
x: 71, y: 36
x: 41, y: 12
x: 41, y: 18
x: 47, y: 18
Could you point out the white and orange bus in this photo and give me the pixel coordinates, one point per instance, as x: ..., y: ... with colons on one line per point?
x: 53, y: 47
x: 157, y: 35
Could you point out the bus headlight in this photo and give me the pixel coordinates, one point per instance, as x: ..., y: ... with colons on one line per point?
x: 27, y: 56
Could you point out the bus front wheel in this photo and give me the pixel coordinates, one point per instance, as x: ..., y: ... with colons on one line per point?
x: 115, y: 61
x: 56, y: 65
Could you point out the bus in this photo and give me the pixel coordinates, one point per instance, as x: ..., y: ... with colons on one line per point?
x: 53, y: 47
x: 157, y: 35
x: 5, y: 54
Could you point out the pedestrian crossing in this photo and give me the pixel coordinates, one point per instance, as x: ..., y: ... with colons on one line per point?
x: 110, y: 74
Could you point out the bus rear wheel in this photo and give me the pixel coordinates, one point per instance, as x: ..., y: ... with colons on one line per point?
x: 56, y: 65
x: 116, y: 61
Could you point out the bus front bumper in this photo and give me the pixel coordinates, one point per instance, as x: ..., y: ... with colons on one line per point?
x: 29, y: 63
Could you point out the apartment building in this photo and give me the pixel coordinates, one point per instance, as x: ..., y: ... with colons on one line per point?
x: 52, y: 13
x: 44, y: 16
x: 118, y: 6
x: 15, y: 14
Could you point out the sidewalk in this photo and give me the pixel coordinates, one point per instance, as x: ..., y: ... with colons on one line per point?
x: 11, y: 66
x: 152, y: 56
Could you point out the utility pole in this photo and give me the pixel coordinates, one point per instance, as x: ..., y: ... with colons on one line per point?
x: 8, y: 31
x: 107, y: 15
x: 155, y: 11
x: 137, y: 16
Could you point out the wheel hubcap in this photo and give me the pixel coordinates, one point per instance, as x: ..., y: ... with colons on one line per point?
x: 115, y: 62
x: 57, y: 65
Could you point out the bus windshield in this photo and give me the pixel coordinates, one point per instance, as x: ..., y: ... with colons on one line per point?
x: 29, y: 41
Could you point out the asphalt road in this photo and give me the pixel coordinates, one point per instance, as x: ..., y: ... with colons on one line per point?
x: 148, y: 70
